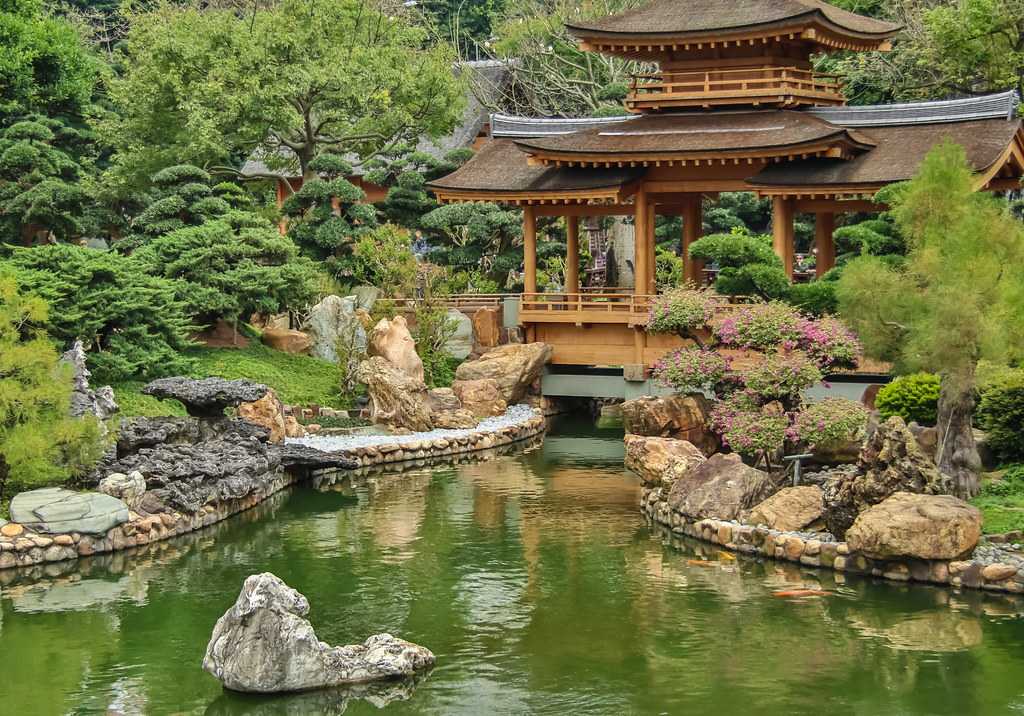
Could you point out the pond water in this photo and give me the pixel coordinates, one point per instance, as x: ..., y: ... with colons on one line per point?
x: 540, y: 589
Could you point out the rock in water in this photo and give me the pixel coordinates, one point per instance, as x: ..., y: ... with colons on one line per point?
x: 396, y: 399
x: 790, y: 509
x: 721, y: 488
x: 683, y: 417
x: 392, y: 341
x: 264, y: 644
x: 891, y: 461
x: 652, y: 458
x: 207, y: 397
x: 332, y: 320
x: 919, y: 526
x: 514, y: 367
x: 85, y: 400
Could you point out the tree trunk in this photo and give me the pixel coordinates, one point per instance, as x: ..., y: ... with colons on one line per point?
x: 957, y: 454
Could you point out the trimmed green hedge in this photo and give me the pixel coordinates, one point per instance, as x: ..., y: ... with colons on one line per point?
x: 915, y: 398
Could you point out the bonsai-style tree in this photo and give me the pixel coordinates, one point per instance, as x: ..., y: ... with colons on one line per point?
x: 181, y: 197
x: 39, y: 443
x: 747, y: 265
x: 405, y: 172
x: 959, y: 299
x: 476, y: 237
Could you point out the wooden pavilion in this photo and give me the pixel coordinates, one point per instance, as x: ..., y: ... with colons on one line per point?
x: 735, y: 106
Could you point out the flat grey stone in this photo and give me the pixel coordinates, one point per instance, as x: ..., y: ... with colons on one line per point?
x: 54, y: 510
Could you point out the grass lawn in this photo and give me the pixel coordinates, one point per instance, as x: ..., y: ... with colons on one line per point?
x: 298, y: 380
x: 1002, y: 510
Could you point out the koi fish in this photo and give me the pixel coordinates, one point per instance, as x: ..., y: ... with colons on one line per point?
x: 727, y: 557
x: 789, y: 593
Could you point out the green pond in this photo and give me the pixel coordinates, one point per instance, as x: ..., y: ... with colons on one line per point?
x: 537, y: 584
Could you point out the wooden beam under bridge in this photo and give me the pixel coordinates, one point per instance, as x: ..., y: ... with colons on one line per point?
x: 839, y: 206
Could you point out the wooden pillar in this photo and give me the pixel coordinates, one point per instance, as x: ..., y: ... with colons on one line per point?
x: 529, y: 249
x: 572, y: 254
x: 652, y: 243
x: 640, y: 251
x: 782, y: 232
x: 824, y: 227
x: 693, y: 229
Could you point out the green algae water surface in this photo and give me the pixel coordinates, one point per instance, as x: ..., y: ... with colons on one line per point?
x: 540, y: 589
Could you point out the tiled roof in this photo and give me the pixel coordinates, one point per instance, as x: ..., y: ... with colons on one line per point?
x: 509, y: 126
x: 993, y: 106
x: 676, y: 18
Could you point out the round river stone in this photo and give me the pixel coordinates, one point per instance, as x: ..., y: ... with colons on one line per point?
x: 55, y: 510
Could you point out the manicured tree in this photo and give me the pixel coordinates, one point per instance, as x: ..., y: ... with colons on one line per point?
x: 39, y: 443
x: 133, y: 324
x: 481, y: 237
x: 747, y: 265
x: 181, y: 197
x: 41, y: 194
x: 295, y: 79
x: 958, y: 299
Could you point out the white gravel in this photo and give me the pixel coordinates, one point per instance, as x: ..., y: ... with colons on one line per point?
x: 515, y: 415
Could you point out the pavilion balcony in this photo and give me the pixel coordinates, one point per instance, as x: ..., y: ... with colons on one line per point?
x: 757, y: 86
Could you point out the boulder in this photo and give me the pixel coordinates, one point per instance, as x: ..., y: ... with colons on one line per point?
x: 287, y: 341
x: 268, y: 412
x: 890, y: 461
x: 721, y: 487
x: 460, y: 345
x: 296, y: 454
x: 683, y: 417
x: 917, y: 526
x: 454, y: 419
x: 265, y: 644
x: 442, y: 399
x: 84, y: 400
x: 870, y: 394
x: 927, y: 439
x: 293, y: 428
x: 221, y: 334
x: 481, y: 397
x: 365, y: 297
x: 392, y: 341
x: 396, y: 398
x: 660, y: 461
x: 128, y: 488
x: 791, y: 509
x: 514, y: 367
x: 206, y: 397
x: 331, y: 321
x: 54, y: 510
x: 486, y: 328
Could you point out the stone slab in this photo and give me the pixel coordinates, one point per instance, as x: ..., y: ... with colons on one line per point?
x: 54, y: 510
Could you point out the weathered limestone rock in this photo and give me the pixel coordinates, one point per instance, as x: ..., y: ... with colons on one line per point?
x: 891, y: 461
x: 486, y: 328
x: 790, y: 509
x: 683, y: 417
x: 293, y: 428
x: 460, y: 345
x: 128, y: 488
x: 441, y: 399
x: 660, y: 461
x: 454, y: 419
x: 84, y: 400
x: 298, y: 455
x: 206, y: 397
x: 392, y: 341
x: 482, y: 398
x: 264, y: 644
x: 365, y: 297
x: 915, y: 525
x: 54, y: 510
x: 514, y: 367
x: 396, y: 398
x: 722, y: 487
x: 332, y: 320
x: 287, y: 341
x: 927, y: 439
x: 267, y: 412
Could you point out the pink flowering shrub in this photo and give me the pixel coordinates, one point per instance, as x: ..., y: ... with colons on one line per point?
x: 782, y: 376
x: 689, y: 370
x: 829, y: 422
x: 762, y: 326
x: 829, y: 343
x: 746, y: 428
x: 681, y: 310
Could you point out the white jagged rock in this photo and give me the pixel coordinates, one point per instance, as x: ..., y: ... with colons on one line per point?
x: 264, y: 644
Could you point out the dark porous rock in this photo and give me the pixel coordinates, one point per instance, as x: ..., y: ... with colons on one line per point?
x: 84, y: 400
x: 137, y: 433
x: 294, y: 455
x: 721, y: 488
x: 206, y: 397
x: 890, y: 462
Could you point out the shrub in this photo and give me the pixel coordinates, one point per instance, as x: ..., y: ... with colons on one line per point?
x: 829, y: 343
x: 781, y: 377
x: 763, y: 326
x: 830, y: 421
x: 383, y: 257
x: 690, y: 370
x: 1011, y: 484
x: 681, y: 310
x: 747, y: 429
x: 433, y: 329
x: 817, y: 298
x: 915, y: 398
x: 747, y: 265
x: 1001, y: 415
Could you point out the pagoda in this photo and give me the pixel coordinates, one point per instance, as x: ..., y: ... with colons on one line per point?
x: 735, y: 105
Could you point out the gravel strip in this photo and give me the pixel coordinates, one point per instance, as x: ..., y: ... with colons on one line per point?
x: 515, y: 415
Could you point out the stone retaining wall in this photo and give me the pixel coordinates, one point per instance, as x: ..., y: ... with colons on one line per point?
x: 27, y: 549
x: 810, y: 550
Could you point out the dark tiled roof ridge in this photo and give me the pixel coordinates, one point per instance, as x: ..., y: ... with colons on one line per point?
x: 1000, y: 105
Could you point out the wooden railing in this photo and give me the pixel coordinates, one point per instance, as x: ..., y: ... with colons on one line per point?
x: 462, y: 300
x: 775, y: 85
x: 627, y: 308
